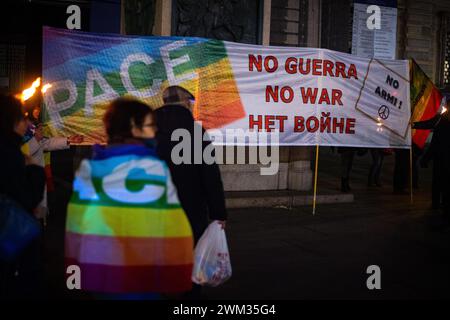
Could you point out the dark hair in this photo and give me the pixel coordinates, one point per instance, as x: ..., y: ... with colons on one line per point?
x: 11, y: 112
x: 119, y: 116
x: 174, y: 94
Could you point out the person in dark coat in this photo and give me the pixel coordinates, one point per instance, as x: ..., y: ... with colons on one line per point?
x: 439, y: 152
x: 375, y: 169
x: 199, y: 186
x: 22, y: 181
x: 347, y: 156
x: 401, y: 171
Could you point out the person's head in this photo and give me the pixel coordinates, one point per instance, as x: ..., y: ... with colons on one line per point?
x: 12, y: 117
x: 35, y: 114
x: 176, y: 95
x: 128, y: 118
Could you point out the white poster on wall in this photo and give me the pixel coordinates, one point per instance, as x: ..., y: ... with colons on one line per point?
x: 372, y: 40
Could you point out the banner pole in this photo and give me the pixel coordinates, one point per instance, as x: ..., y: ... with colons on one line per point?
x: 411, y: 173
x: 315, y: 180
x: 291, y: 200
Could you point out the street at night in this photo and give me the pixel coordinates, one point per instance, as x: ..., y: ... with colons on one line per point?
x: 282, y: 253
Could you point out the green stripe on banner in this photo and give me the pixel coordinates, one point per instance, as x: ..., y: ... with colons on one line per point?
x: 201, y: 55
x: 108, y: 202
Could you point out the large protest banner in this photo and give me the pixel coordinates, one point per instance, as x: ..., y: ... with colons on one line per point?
x: 312, y: 96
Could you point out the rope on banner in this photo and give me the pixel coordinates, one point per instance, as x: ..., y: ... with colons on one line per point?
x: 315, y: 180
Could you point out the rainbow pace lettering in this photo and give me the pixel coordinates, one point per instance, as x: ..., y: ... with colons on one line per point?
x: 88, y: 70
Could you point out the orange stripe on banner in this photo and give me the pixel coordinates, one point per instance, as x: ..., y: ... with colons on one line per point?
x: 129, y: 251
x: 224, y: 93
x: 216, y: 94
x: 219, y: 117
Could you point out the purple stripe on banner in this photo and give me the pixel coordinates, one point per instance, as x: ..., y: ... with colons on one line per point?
x: 55, y: 40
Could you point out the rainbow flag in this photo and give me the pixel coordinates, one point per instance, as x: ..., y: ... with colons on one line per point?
x: 425, y: 101
x: 125, y: 227
x: 88, y: 70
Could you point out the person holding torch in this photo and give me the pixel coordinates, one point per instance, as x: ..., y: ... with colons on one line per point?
x: 36, y: 145
x: 439, y: 152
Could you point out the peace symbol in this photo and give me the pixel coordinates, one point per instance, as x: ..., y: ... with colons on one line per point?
x: 383, y: 112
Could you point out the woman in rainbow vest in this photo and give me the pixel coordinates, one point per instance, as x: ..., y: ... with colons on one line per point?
x: 125, y: 229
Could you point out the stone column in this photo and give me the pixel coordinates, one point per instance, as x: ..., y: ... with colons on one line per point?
x: 247, y: 177
x: 163, y: 18
x: 299, y: 170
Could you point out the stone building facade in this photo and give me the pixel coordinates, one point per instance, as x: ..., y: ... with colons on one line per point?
x: 423, y: 33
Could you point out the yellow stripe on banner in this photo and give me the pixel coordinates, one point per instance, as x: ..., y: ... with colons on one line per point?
x: 127, y: 222
x: 215, y: 74
x: 422, y: 103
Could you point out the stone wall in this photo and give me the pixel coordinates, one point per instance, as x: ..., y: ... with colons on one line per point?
x: 418, y: 33
x: 289, y: 23
x: 300, y: 23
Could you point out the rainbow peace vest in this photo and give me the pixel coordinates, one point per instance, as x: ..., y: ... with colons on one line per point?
x: 125, y: 227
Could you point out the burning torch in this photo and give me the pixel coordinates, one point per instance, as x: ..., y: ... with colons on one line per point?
x: 443, y: 106
x: 31, y: 99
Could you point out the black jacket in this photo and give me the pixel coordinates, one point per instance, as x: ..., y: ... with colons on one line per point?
x: 199, y: 186
x: 439, y: 148
x: 24, y: 184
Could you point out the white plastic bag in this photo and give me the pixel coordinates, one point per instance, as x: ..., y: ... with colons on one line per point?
x: 212, y: 265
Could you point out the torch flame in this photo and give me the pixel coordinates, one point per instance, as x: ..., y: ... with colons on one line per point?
x: 45, y: 87
x: 444, y: 110
x: 37, y: 82
x: 29, y: 92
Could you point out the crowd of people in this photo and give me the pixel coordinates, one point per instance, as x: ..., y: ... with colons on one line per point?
x: 132, y: 128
